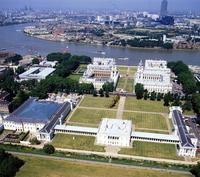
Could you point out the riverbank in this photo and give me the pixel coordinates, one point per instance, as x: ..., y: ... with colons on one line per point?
x: 43, y: 37
x: 14, y: 39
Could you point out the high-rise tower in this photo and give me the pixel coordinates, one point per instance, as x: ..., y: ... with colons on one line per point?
x: 163, y: 9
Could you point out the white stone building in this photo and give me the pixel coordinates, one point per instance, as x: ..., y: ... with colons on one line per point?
x: 102, y: 70
x: 155, y: 76
x: 188, y: 143
x: 39, y: 117
x: 37, y: 73
x: 114, y: 132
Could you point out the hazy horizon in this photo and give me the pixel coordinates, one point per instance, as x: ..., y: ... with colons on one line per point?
x: 141, y: 5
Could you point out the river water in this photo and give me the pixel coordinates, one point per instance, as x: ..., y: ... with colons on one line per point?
x: 13, y: 39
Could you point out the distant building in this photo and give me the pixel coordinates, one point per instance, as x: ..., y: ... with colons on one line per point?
x: 188, y: 143
x: 37, y: 73
x: 167, y: 20
x: 163, y: 8
x: 37, y: 116
x: 114, y: 132
x: 101, y: 71
x: 155, y: 76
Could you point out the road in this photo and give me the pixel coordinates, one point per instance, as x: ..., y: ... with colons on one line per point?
x: 97, y: 163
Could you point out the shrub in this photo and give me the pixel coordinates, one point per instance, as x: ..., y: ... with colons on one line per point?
x: 49, y: 149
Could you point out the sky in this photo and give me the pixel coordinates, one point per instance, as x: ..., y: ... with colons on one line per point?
x: 140, y: 5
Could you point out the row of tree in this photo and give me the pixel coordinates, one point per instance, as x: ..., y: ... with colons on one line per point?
x: 184, y: 76
x: 189, y: 102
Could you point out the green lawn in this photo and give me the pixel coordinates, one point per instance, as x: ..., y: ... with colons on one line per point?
x: 41, y: 167
x: 132, y: 71
x: 121, y: 82
x: 98, y: 102
x: 81, y: 69
x: 129, y: 86
x: 145, y: 105
x: 91, y: 116
x: 144, y: 120
x: 149, y: 149
x: 75, y: 77
x: 122, y: 70
x: 76, y: 142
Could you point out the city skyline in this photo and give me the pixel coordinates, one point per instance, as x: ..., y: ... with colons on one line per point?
x: 137, y: 5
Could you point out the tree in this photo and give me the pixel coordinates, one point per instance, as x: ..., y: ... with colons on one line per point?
x: 20, y: 98
x: 60, y: 57
x: 95, y: 93
x: 196, y: 103
x: 176, y: 102
x: 187, y: 105
x: 20, y: 70
x: 153, y: 96
x: 101, y: 92
x: 146, y: 95
x: 166, y: 100
x: 196, y: 170
x: 107, y: 94
x: 34, y: 141
x: 35, y: 61
x: 9, y: 164
x: 14, y: 59
x: 159, y: 97
x: 139, y: 90
x: 108, y: 87
x: 185, y: 76
x: 49, y: 149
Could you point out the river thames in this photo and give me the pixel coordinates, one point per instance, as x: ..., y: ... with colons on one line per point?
x: 13, y: 39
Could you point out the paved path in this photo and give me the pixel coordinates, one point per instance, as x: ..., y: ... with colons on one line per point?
x: 120, y: 109
x: 112, y: 149
x: 97, y: 163
x: 120, y: 156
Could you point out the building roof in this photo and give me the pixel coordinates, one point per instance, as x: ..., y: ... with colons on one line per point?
x: 36, y: 72
x: 155, y: 136
x: 35, y: 111
x: 76, y: 128
x: 55, y: 118
x: 182, y: 130
x: 115, y: 127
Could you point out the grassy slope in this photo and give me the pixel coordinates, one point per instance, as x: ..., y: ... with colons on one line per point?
x: 38, y: 167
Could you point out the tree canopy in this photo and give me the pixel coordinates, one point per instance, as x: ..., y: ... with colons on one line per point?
x: 9, y: 164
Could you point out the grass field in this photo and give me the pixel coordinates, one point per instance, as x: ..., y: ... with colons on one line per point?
x: 121, y: 82
x: 40, y: 167
x: 122, y: 70
x: 76, y: 142
x: 145, y: 105
x: 75, y: 77
x: 81, y: 69
x: 132, y: 71
x: 149, y: 149
x: 90, y: 116
x: 144, y: 120
x: 98, y: 102
x: 129, y: 86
